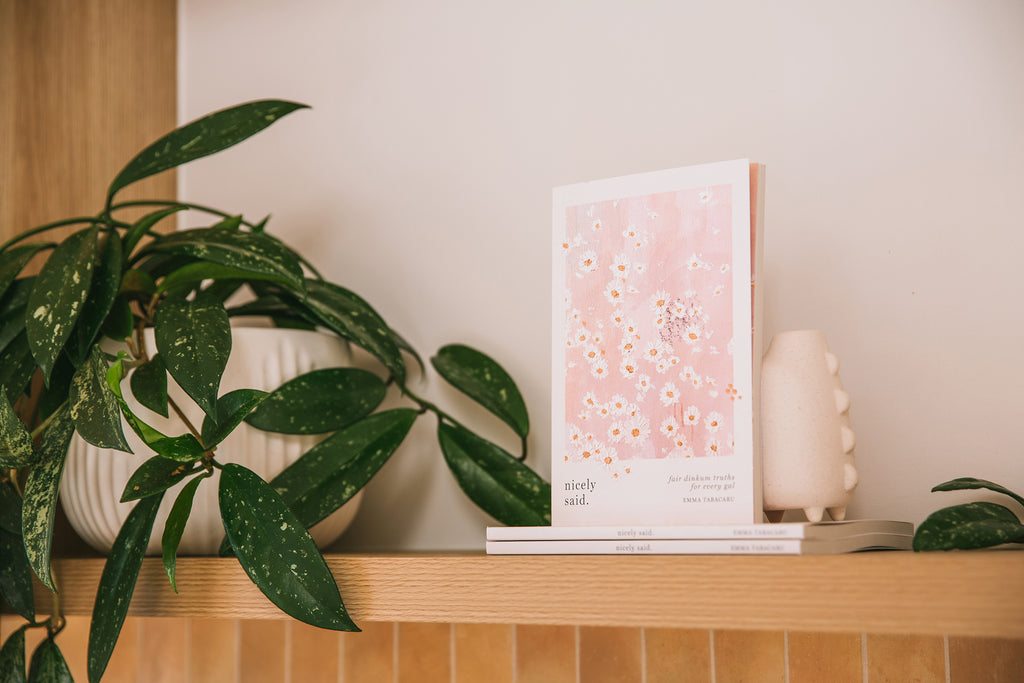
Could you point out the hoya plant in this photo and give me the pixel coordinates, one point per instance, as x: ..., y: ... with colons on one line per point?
x: 71, y: 343
x: 979, y: 524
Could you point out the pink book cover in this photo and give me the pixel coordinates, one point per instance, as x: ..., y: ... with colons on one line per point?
x: 653, y: 377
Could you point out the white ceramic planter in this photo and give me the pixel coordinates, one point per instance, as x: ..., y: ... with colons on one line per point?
x: 261, y: 358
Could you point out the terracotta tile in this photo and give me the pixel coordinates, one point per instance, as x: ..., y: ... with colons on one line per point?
x: 424, y: 653
x: 906, y: 659
x: 832, y: 657
x: 483, y: 652
x: 314, y: 654
x: 370, y: 655
x: 545, y: 654
x: 986, y: 660
x: 262, y: 650
x: 676, y: 655
x: 159, y: 637
x: 213, y: 650
x: 610, y: 654
x: 742, y: 656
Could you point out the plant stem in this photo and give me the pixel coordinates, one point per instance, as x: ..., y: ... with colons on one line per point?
x: 49, y: 226
x: 181, y: 416
x: 46, y: 423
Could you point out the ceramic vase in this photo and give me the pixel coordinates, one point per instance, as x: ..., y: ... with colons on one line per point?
x: 807, y: 441
x: 261, y: 358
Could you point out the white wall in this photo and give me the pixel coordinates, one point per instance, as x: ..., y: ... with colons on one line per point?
x: 893, y: 133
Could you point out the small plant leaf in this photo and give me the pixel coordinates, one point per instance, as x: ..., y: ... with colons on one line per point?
x: 175, y: 525
x: 94, y: 409
x: 16, y: 367
x: 330, y: 473
x: 10, y: 508
x: 14, y: 260
x: 964, y: 483
x: 495, y: 480
x: 972, y: 525
x: 58, y: 297
x: 149, y: 385
x: 117, y: 583
x: 194, y: 340
x: 106, y: 282
x: 319, y: 401
x: 16, y: 449
x: 16, y: 576
x: 202, y: 137
x: 247, y: 254
x: 40, y: 503
x: 155, y: 475
x: 189, y: 276
x: 483, y: 380
x: 138, y: 284
x: 120, y: 321
x: 142, y: 227
x: 232, y: 408
x: 12, y: 658
x: 404, y: 345
x: 277, y: 552
x: 48, y: 664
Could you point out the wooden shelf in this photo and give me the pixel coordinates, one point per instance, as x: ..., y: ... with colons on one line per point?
x: 976, y: 594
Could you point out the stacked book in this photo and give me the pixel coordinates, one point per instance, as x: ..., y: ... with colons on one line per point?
x: 799, y: 538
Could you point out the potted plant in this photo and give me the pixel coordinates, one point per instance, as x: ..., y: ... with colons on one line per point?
x: 119, y: 280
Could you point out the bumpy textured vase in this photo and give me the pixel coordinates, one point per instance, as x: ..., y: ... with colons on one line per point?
x: 805, y: 428
x: 261, y: 358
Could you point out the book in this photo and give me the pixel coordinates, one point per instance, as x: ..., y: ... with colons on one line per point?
x: 655, y: 334
x: 786, y: 530
x: 712, y: 546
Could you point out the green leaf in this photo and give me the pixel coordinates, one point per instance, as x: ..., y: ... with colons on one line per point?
x: 56, y: 394
x: 117, y: 583
x: 16, y: 576
x: 48, y: 664
x: 94, y: 409
x: 16, y: 449
x: 188, y: 277
x: 58, y: 297
x: 16, y: 367
x: 972, y: 525
x: 106, y: 282
x: 120, y: 322
x: 232, y: 408
x: 964, y: 483
x: 156, y: 475
x: 194, y: 340
x: 277, y: 552
x: 208, y: 135
x: 12, y: 323
x: 402, y: 344
x: 142, y: 227
x: 40, y: 505
x: 149, y: 385
x: 247, y: 255
x: 330, y: 473
x: 138, y: 284
x: 319, y: 401
x: 10, y: 508
x: 351, y: 317
x: 12, y: 658
x: 483, y: 380
x: 499, y: 484
x: 14, y: 260
x: 175, y: 526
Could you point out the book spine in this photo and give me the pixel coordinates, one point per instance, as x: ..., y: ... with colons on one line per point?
x: 654, y: 547
x: 751, y: 532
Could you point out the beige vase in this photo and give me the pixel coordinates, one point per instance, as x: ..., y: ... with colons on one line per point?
x: 261, y: 358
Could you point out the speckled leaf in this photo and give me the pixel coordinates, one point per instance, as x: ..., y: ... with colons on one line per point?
x: 16, y: 367
x: 277, y: 552
x: 10, y: 508
x: 16, y: 576
x: 499, y: 484
x: 120, y: 322
x: 191, y: 275
x: 232, y: 408
x: 155, y: 475
x: 142, y: 226
x: 254, y: 255
x: 48, y: 664
x: 149, y: 385
x: 319, y: 401
x: 12, y: 658
x: 58, y: 297
x: 175, y: 526
x: 15, y: 442
x: 117, y: 583
x: 94, y: 409
x: 964, y: 483
x: 351, y: 317
x: 194, y: 340
x: 12, y: 321
x: 202, y: 137
x: 106, y: 282
x: 330, y: 473
x: 972, y: 525
x: 41, y: 488
x: 404, y: 345
x: 14, y: 260
x: 483, y: 380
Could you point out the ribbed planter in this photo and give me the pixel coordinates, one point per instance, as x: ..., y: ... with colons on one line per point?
x: 261, y: 358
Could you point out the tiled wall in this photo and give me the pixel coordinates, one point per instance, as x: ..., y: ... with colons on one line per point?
x: 225, y: 651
